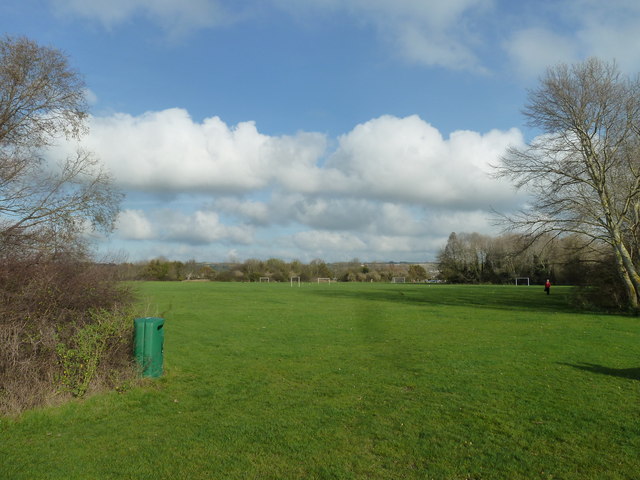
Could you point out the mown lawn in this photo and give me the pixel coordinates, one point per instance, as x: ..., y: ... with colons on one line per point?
x: 381, y: 381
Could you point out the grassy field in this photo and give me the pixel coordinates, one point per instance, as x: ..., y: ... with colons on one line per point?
x: 356, y: 381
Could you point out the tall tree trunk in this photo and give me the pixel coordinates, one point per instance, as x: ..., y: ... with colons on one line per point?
x: 628, y: 274
x: 625, y: 265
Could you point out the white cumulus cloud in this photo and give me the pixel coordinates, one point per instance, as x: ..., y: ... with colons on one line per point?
x: 407, y: 159
x: 168, y: 152
x: 201, y: 227
x: 170, y: 225
x: 389, y: 183
x: 133, y: 225
x: 385, y: 159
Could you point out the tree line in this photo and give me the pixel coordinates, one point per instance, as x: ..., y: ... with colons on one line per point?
x: 277, y: 270
x: 568, y: 260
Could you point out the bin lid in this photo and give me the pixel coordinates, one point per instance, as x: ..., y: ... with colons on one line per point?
x: 153, y: 321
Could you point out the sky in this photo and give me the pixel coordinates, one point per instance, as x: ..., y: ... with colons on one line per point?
x: 306, y: 129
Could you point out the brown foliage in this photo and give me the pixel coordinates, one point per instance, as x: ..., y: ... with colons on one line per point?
x: 44, y: 302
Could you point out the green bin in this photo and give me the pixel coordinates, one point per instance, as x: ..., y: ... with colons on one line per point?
x: 148, y: 345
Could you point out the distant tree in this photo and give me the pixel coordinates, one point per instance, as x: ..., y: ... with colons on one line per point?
x: 351, y: 271
x: 447, y: 264
x: 253, y: 269
x: 475, y: 258
x: 298, y: 269
x: 157, y: 269
x: 207, y: 272
x: 417, y: 273
x: 319, y: 269
x: 278, y: 270
x: 455, y: 261
x: 374, y: 276
x: 583, y: 171
x: 176, y: 271
x: 190, y: 269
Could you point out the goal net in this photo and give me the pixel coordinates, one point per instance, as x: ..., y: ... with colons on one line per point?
x: 397, y: 280
x: 324, y: 280
x: 522, y: 280
x: 264, y: 279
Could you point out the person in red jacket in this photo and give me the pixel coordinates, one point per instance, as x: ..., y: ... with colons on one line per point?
x: 547, y: 286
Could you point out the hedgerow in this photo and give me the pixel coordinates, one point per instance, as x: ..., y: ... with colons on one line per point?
x: 65, y: 329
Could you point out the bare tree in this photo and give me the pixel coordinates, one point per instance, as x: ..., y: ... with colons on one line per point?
x: 583, y: 170
x: 44, y: 204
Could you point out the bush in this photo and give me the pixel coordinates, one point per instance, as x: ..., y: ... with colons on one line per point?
x: 92, y: 349
x: 65, y: 327
x: 600, y: 287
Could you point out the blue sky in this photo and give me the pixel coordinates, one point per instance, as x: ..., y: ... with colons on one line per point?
x: 302, y: 129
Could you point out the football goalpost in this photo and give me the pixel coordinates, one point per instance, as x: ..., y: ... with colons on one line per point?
x: 522, y: 281
x: 295, y: 279
x: 324, y: 280
x: 264, y: 279
x: 397, y: 280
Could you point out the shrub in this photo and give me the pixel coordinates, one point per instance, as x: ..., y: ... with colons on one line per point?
x: 600, y: 287
x: 92, y: 348
x: 65, y: 326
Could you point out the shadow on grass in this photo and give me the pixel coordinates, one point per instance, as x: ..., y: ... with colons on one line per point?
x: 630, y: 373
x: 476, y: 296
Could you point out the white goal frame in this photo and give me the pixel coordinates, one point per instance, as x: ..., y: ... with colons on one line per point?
x: 324, y: 280
x: 265, y: 279
x: 522, y: 278
x: 295, y: 279
x: 398, y: 280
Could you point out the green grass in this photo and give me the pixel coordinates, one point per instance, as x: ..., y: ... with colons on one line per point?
x: 356, y: 381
